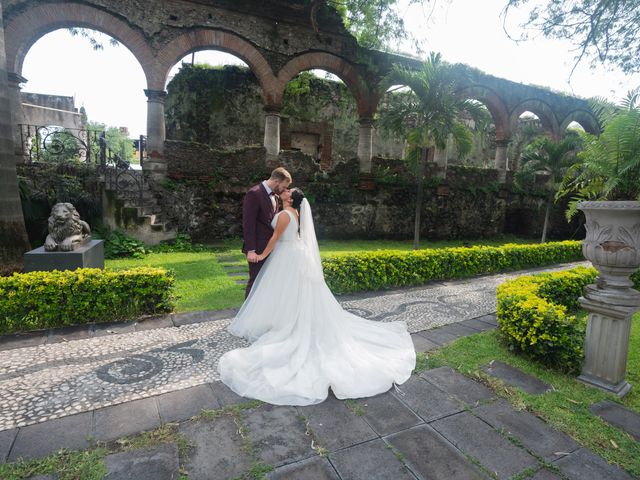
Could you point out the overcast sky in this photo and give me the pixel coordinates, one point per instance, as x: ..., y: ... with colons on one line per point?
x: 110, y: 83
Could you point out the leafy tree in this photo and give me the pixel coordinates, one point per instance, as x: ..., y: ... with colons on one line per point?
x: 96, y: 39
x: 117, y: 141
x: 427, y: 117
x: 554, y: 159
x: 609, y: 167
x: 606, y: 31
x: 376, y: 24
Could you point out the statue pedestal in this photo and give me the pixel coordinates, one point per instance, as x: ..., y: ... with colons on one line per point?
x: 89, y: 255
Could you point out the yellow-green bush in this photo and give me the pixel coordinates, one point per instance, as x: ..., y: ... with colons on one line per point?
x: 534, y: 316
x: 38, y: 300
x: 394, y: 268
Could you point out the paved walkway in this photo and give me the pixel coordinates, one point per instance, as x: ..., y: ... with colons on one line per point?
x: 74, y: 387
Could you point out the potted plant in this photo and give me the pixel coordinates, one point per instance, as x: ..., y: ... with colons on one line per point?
x: 606, y: 187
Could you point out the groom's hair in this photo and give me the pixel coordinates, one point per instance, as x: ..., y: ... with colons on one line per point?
x: 280, y: 174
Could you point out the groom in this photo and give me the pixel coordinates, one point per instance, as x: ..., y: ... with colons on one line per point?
x: 258, y: 209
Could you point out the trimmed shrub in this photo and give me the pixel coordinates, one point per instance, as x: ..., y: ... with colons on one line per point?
x: 38, y: 300
x: 395, y: 268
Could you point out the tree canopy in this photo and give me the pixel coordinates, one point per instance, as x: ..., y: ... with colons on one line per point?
x: 605, y: 31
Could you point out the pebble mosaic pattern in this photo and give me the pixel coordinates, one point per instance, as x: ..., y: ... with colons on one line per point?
x: 54, y: 380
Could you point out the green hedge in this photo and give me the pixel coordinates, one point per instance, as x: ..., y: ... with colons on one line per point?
x: 39, y: 300
x: 395, y: 268
x: 534, y: 316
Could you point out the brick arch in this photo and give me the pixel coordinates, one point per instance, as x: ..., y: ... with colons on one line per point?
x: 29, y: 26
x: 205, y: 38
x: 542, y: 110
x: 494, y: 104
x: 365, y: 101
x: 585, y: 118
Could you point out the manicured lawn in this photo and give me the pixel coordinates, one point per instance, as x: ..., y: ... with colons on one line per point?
x: 203, y: 284
x: 566, y: 407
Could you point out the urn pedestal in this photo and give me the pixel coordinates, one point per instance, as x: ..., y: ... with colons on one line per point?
x: 612, y: 244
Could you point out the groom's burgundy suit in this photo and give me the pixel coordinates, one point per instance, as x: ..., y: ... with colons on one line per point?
x: 257, y: 214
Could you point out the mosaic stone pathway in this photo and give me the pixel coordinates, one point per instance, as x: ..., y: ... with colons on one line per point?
x: 50, y: 381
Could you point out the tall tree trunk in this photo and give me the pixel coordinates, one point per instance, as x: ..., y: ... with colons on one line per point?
x: 547, y: 214
x: 422, y: 167
x: 13, y: 235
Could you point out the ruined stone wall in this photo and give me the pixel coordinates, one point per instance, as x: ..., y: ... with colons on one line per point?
x: 205, y: 187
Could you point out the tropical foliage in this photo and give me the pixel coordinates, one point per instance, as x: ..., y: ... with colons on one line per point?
x: 609, y: 167
x: 552, y: 158
x: 428, y: 116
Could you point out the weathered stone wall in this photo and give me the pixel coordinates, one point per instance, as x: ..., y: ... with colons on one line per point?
x: 205, y: 187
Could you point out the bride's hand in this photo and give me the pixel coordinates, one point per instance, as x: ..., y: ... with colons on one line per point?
x: 261, y: 258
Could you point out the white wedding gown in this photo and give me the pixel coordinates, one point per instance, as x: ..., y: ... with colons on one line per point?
x: 303, y: 341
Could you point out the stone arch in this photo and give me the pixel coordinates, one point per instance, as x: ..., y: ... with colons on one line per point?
x: 542, y: 110
x: 204, y: 38
x: 331, y: 63
x: 494, y: 104
x: 28, y: 27
x: 585, y: 118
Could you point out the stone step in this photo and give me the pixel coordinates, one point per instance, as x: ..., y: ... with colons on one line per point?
x: 516, y: 378
x: 618, y: 416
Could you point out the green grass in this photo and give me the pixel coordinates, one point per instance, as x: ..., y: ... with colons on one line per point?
x: 202, y: 283
x: 566, y: 406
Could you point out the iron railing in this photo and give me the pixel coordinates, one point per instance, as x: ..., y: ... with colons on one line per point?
x: 55, y: 144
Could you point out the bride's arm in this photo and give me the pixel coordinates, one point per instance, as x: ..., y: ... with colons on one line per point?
x: 281, y: 225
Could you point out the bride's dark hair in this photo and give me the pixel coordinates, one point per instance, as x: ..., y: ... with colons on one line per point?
x: 296, y: 198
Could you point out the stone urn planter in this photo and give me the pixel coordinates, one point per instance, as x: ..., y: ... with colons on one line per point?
x: 612, y: 245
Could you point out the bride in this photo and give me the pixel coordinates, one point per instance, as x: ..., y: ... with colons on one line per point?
x: 303, y: 341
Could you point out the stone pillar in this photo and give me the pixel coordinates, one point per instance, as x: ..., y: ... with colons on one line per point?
x: 272, y: 132
x: 15, y: 101
x: 155, y: 163
x: 501, y: 159
x: 365, y: 145
x: 13, y: 235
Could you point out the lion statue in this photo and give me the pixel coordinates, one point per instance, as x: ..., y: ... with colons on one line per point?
x: 66, y: 231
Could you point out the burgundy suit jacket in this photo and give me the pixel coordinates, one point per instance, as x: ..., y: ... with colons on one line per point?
x: 257, y: 214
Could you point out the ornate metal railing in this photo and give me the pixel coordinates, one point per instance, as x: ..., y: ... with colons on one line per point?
x: 56, y: 144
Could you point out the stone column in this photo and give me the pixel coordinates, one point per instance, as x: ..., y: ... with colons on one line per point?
x: 272, y: 132
x: 501, y: 159
x: 15, y: 101
x: 13, y: 235
x: 155, y: 163
x: 365, y: 145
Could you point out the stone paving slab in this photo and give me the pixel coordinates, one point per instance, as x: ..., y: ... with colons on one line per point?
x: 438, y: 336
x: 184, y: 404
x: 334, y: 425
x: 217, y: 449
x: 23, y: 340
x: 585, y: 465
x: 157, y: 463
x: 372, y: 460
x: 478, y: 324
x: 428, y: 402
x: 421, y: 344
x: 315, y: 468
x: 544, y: 474
x: 6, y: 441
x: 534, y: 433
x: 516, y: 378
x: 619, y: 416
x: 431, y: 457
x: 454, y: 383
x: 458, y: 330
x: 225, y: 396
x: 42, y: 439
x: 490, y: 318
x: 386, y: 414
x: 474, y: 437
x: 153, y: 323
x: 66, y: 334
x: 125, y: 419
x: 278, y: 435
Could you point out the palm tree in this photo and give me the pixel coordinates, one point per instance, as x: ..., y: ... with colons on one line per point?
x: 427, y: 116
x: 553, y: 158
